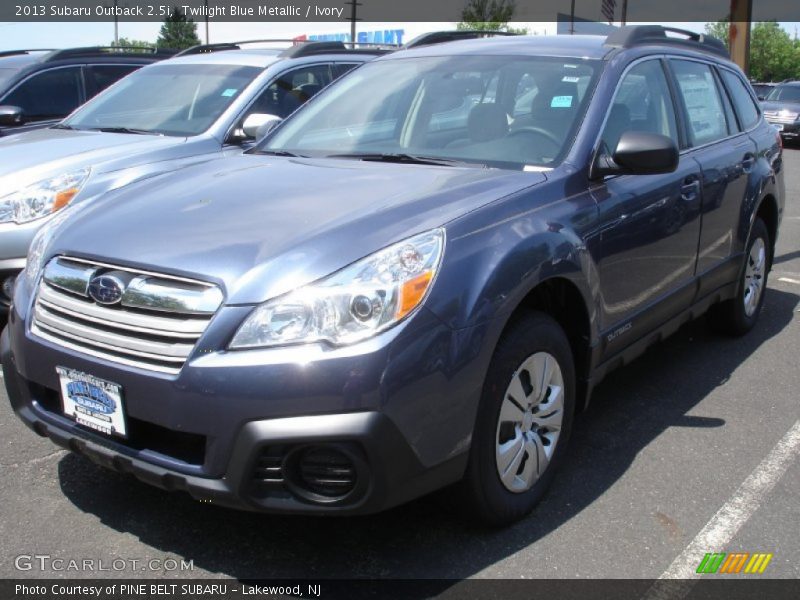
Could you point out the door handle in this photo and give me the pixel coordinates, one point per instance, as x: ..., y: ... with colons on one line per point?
x: 748, y: 162
x: 690, y: 188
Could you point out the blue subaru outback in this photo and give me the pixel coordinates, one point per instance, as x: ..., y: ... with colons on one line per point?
x: 413, y: 282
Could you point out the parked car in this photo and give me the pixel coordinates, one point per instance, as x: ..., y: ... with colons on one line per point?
x: 207, y: 103
x: 762, y: 90
x: 365, y: 308
x: 40, y: 87
x: 782, y: 109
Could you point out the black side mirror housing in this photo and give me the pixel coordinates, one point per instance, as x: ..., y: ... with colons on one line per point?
x: 638, y: 153
x: 11, y: 116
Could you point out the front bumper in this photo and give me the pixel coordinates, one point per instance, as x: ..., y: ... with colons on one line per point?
x: 403, y: 405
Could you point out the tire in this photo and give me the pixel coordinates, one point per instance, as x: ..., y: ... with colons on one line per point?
x: 739, y: 315
x: 534, y: 343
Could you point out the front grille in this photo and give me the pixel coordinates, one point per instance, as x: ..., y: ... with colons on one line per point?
x: 775, y: 116
x: 154, y: 323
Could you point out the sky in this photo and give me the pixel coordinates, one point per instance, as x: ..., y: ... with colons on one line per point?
x: 47, y: 35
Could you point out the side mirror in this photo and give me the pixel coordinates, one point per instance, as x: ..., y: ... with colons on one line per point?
x: 638, y: 153
x: 258, y: 125
x: 761, y: 97
x: 10, y: 116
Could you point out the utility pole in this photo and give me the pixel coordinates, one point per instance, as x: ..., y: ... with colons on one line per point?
x: 354, y: 4
x: 116, y: 25
x: 572, y: 18
x: 624, y: 17
x: 206, y: 2
x: 739, y: 32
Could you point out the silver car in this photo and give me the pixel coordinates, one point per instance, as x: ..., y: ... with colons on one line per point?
x: 213, y: 101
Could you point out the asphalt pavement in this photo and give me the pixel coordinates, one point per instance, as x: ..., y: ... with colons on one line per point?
x: 658, y: 466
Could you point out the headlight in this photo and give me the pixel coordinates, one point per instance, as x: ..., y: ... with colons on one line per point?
x: 42, y: 198
x: 353, y: 304
x: 38, y: 247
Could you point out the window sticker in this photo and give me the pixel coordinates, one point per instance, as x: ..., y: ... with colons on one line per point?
x: 229, y: 92
x: 570, y: 66
x: 570, y: 79
x: 561, y: 102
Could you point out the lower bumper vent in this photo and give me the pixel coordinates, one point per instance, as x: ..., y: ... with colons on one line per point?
x: 320, y: 474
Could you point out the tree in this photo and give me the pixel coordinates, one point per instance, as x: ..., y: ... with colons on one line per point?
x: 774, y: 56
x: 488, y: 15
x: 130, y: 43
x: 720, y: 30
x: 178, y: 31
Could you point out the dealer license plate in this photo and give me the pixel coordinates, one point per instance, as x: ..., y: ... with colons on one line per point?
x: 92, y: 402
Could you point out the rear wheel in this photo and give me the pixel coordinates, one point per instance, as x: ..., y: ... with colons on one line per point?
x: 738, y: 315
x: 524, y: 421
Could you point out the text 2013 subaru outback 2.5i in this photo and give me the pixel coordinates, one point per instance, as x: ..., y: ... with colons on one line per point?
x: 414, y: 281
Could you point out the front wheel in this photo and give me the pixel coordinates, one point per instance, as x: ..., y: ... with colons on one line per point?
x: 739, y: 315
x: 524, y: 421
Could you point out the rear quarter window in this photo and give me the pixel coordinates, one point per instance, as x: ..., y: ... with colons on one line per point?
x: 742, y: 100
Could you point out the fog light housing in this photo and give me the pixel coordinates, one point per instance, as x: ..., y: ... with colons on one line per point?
x: 325, y: 473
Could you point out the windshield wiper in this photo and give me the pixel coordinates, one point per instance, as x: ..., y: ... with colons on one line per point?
x: 408, y: 159
x: 63, y: 126
x: 124, y: 130
x: 279, y: 153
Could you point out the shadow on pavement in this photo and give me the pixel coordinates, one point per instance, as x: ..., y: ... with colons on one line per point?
x: 424, y: 539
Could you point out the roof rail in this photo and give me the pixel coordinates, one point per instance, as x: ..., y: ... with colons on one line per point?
x: 4, y: 53
x: 96, y: 51
x: 312, y: 48
x: 440, y: 37
x: 297, y: 49
x: 636, y: 35
x: 219, y: 47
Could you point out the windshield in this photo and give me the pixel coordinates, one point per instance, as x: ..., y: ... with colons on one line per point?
x: 5, y: 75
x: 177, y: 100
x: 498, y: 111
x: 785, y: 93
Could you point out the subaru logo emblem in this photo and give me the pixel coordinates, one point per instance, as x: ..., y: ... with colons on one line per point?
x: 106, y: 289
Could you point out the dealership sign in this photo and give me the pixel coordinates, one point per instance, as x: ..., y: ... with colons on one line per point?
x: 383, y: 36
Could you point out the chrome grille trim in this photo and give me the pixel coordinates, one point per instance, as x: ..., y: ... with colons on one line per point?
x: 93, y: 352
x: 119, y: 343
x: 774, y: 116
x: 156, y: 325
x: 147, y: 291
x: 147, y: 335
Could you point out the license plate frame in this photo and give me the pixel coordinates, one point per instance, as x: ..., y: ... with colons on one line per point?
x: 93, y: 402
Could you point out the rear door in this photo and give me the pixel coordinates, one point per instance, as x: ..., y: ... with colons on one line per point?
x: 650, y: 223
x: 726, y: 156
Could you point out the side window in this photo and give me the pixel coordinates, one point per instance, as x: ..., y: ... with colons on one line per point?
x: 701, y: 97
x: 102, y: 76
x: 343, y: 68
x: 643, y: 103
x: 291, y: 90
x: 49, y: 94
x: 742, y: 100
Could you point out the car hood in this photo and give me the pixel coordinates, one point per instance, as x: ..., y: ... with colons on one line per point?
x: 30, y: 157
x: 261, y: 226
